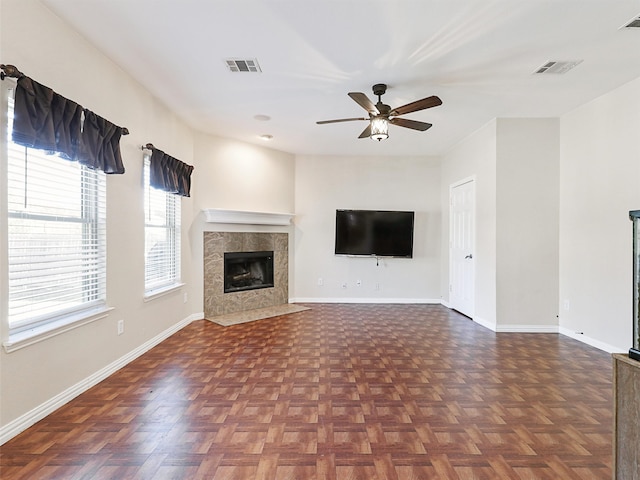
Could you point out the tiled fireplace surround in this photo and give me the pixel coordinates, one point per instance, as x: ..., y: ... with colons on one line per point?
x: 216, y: 302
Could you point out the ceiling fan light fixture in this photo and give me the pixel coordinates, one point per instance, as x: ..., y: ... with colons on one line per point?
x: 379, y: 128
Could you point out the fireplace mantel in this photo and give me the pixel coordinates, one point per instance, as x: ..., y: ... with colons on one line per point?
x: 216, y: 215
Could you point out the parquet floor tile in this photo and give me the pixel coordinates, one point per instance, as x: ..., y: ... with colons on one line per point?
x: 337, y: 392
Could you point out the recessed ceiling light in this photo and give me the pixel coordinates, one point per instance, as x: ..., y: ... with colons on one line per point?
x: 262, y: 118
x: 266, y: 138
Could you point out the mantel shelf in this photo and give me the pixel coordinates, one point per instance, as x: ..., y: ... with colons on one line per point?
x: 216, y: 215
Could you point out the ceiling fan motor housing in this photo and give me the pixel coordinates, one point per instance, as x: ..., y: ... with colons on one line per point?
x: 379, y: 89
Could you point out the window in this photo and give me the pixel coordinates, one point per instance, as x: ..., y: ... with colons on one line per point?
x: 56, y: 223
x: 161, y: 237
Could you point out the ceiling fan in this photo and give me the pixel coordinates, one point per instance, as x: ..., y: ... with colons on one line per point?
x: 381, y: 115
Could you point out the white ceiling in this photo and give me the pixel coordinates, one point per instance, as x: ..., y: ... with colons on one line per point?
x: 478, y: 56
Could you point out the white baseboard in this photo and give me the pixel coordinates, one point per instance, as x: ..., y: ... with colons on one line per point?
x: 13, y: 428
x: 526, y: 329
x: 515, y: 328
x: 365, y: 300
x: 591, y: 341
x: 549, y: 329
x: 485, y: 323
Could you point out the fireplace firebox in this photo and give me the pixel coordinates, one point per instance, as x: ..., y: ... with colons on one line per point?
x: 247, y: 271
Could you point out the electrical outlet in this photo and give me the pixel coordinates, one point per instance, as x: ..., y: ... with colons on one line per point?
x: 377, y: 285
x: 566, y: 304
x: 186, y: 297
x: 120, y: 327
x: 320, y: 281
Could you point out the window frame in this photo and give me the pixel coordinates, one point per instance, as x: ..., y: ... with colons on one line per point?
x: 22, y: 329
x: 170, y: 263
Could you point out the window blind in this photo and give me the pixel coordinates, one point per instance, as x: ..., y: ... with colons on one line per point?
x: 162, y: 236
x: 56, y: 223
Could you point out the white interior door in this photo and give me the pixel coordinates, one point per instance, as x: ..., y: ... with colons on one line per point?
x: 461, y: 247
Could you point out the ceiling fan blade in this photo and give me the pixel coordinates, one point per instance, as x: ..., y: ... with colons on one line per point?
x: 322, y: 122
x: 366, y: 132
x: 428, y: 102
x: 413, y: 124
x: 362, y: 100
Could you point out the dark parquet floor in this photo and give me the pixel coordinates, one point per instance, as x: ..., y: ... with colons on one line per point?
x: 348, y: 392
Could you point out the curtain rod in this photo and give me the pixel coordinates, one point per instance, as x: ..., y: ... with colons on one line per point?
x: 12, y: 72
x: 148, y: 146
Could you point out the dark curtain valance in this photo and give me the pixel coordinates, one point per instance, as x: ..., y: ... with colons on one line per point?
x: 100, y: 146
x: 45, y: 120
x: 168, y: 173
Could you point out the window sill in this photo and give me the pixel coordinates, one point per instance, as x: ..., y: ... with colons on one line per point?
x: 159, y: 292
x: 38, y: 334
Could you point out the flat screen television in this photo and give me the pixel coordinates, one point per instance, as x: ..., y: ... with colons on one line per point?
x: 379, y: 233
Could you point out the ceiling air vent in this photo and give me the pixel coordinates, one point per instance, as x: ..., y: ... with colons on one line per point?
x: 558, y: 67
x: 243, y: 65
x: 634, y: 23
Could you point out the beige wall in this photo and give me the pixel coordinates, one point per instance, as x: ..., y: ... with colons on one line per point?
x: 237, y: 176
x: 326, y: 183
x: 599, y: 184
x: 528, y: 152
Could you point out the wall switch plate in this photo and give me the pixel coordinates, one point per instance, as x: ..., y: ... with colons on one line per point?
x: 186, y: 297
x: 120, y: 327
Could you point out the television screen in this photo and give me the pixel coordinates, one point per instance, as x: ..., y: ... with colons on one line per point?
x: 374, y: 232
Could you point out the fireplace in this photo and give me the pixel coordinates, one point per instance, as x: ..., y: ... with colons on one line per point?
x: 216, y: 245
x: 247, y: 271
